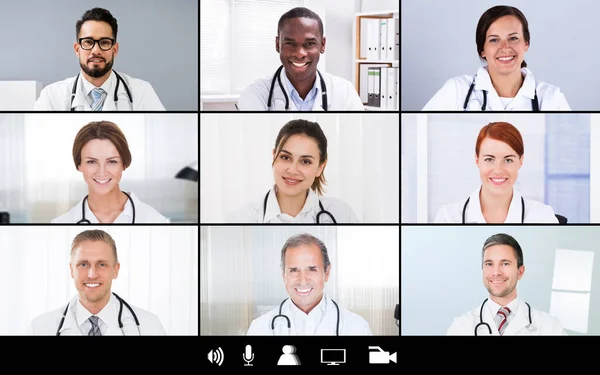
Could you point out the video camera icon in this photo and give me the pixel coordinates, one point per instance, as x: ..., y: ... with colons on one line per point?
x: 379, y: 356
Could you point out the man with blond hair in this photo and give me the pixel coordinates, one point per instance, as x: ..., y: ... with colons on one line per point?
x: 96, y: 310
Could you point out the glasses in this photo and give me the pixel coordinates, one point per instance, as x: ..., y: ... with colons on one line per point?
x: 88, y: 43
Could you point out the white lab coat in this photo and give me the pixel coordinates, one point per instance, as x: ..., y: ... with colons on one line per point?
x: 454, y: 92
x: 253, y: 213
x: 341, y: 95
x: 542, y: 323
x: 350, y: 323
x: 535, y: 212
x: 143, y: 213
x: 47, y: 324
x: 57, y: 96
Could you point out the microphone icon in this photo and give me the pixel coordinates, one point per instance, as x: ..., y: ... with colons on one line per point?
x: 248, y: 355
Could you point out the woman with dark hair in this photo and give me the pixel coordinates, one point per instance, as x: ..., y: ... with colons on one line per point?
x: 499, y: 156
x: 299, y: 160
x: 504, y: 83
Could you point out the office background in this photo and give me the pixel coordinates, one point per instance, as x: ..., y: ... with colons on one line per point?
x: 559, y: 164
x: 159, y: 273
x: 561, y: 265
x: 39, y: 181
x: 236, y: 53
x: 438, y: 43
x: 241, y: 275
x: 362, y: 170
x: 158, y: 43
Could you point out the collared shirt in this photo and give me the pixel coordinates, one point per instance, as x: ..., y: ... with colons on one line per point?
x: 535, y: 212
x: 107, y: 86
x: 307, y: 324
x: 454, y: 92
x: 254, y: 213
x: 308, y: 102
x: 107, y: 317
x: 513, y: 305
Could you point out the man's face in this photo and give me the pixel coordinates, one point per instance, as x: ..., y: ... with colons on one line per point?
x: 501, y: 271
x: 93, y: 268
x: 304, y: 275
x: 299, y: 44
x: 96, y: 62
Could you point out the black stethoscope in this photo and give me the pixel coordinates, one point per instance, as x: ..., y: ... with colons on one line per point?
x: 464, y: 212
x: 121, y: 303
x: 289, y: 324
x: 86, y: 221
x: 115, y: 98
x: 287, y: 100
x: 481, y: 322
x: 322, y: 212
x: 534, y: 102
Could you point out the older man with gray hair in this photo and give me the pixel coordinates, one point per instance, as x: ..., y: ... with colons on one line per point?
x: 305, y: 269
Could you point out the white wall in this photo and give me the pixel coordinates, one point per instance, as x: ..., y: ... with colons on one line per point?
x: 159, y: 273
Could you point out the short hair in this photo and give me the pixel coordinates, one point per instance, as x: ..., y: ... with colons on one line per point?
x: 503, y: 239
x: 300, y: 12
x: 504, y: 132
x: 490, y: 16
x: 102, y: 130
x: 94, y: 235
x: 305, y: 239
x: 97, y: 14
x: 312, y: 130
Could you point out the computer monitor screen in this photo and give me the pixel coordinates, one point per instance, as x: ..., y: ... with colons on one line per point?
x: 333, y: 356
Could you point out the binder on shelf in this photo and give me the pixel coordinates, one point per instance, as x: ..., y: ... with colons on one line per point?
x: 393, y: 39
x: 383, y: 22
x: 384, y: 88
x: 370, y: 87
x: 373, y: 35
x: 364, y: 80
x: 376, y: 87
x: 392, y: 88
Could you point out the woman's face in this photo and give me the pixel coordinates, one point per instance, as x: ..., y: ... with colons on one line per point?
x: 297, y: 165
x: 101, y: 166
x: 498, y: 166
x: 505, y: 46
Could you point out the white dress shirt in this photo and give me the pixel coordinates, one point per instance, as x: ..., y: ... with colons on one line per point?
x: 253, y: 213
x: 453, y: 93
x: 535, y: 212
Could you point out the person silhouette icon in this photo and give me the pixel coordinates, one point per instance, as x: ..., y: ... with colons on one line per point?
x: 288, y: 358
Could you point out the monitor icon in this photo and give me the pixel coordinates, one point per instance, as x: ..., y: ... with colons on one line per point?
x: 333, y: 356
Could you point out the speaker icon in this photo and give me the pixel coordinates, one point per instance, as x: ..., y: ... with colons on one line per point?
x: 216, y: 356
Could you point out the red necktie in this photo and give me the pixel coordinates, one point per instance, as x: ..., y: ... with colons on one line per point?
x: 502, y: 319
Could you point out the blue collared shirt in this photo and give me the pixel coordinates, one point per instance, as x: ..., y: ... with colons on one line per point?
x: 306, y: 104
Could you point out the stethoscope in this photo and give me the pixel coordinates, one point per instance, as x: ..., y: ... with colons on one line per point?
x: 86, y: 221
x: 287, y: 100
x: 534, y: 102
x: 464, y: 212
x: 481, y: 322
x: 289, y: 324
x: 115, y: 98
x: 322, y: 212
x: 121, y: 303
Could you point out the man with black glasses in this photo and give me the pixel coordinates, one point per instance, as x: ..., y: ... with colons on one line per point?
x: 98, y: 87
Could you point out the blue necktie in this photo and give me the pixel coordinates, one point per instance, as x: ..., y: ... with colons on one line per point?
x: 98, y: 96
